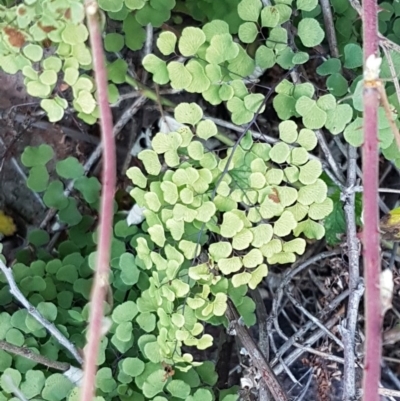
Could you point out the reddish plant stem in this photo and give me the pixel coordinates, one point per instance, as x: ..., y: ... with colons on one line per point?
x: 373, y: 316
x: 101, y: 279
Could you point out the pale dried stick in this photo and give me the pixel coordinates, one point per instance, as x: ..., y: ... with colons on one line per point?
x: 50, y: 327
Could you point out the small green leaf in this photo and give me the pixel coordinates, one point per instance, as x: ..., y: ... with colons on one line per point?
x: 36, y: 156
x: 252, y: 259
x: 178, y: 389
x: 55, y: 112
x: 310, y: 32
x: 310, y: 229
x: 69, y: 168
x: 10, y: 379
x: 166, y: 43
x: 222, y: 48
x: 188, y: 113
x: 132, y: 366
x: 288, y: 131
x: 137, y: 177
x: 270, y: 16
x: 353, y: 133
x: 241, y: 279
x: 38, y: 237
x: 353, y: 56
x: 157, y: 67
x: 74, y: 34
x: 248, y: 32
x: 285, y: 224
x: 265, y: 57
x: 220, y: 250
x: 206, y: 129
x: 279, y: 152
x: 231, y: 225
x: 337, y: 85
x: 124, y: 312
x: 70, y: 214
x: 179, y: 75
x: 249, y: 10
x: 330, y: 66
x: 319, y: 211
x: 307, y: 5
x: 307, y: 139
x: 114, y: 42
x: 150, y: 160
x: 300, y: 58
x: 89, y: 188
x: 310, y: 172
x: 33, y: 52
x: 146, y: 321
x: 38, y: 178
x: 54, y: 196
x: 190, y: 249
x: 257, y: 275
x: 190, y: 41
x: 231, y: 265
x: 129, y: 270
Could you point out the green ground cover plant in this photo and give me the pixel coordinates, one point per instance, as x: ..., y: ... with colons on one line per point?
x: 211, y: 221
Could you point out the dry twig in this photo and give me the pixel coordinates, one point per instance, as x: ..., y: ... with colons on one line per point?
x: 51, y: 328
x: 255, y: 354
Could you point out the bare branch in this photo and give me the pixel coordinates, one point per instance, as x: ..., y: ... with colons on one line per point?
x: 329, y: 27
x: 28, y: 354
x: 256, y: 355
x: 101, y: 278
x: 51, y: 328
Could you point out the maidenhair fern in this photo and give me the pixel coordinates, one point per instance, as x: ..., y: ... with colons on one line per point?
x: 215, y: 222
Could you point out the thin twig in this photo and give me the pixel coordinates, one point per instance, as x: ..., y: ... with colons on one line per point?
x: 393, y: 72
x: 147, y: 49
x: 263, y: 343
x: 288, y: 277
x: 51, y: 328
x: 101, y: 277
x: 255, y: 354
x: 37, y: 358
x: 312, y: 318
x: 389, y: 392
x: 262, y: 317
x: 308, y: 326
x: 296, y: 354
x: 305, y: 389
x: 329, y: 27
x: 355, y: 285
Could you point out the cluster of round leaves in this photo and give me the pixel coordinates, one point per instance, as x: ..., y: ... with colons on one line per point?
x: 36, y: 160
x: 297, y: 101
x: 347, y: 116
x: 59, y: 286
x: 154, y: 12
x: 221, y: 220
x: 47, y: 41
x: 216, y: 66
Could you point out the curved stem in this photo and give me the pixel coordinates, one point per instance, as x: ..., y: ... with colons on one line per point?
x: 101, y: 279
